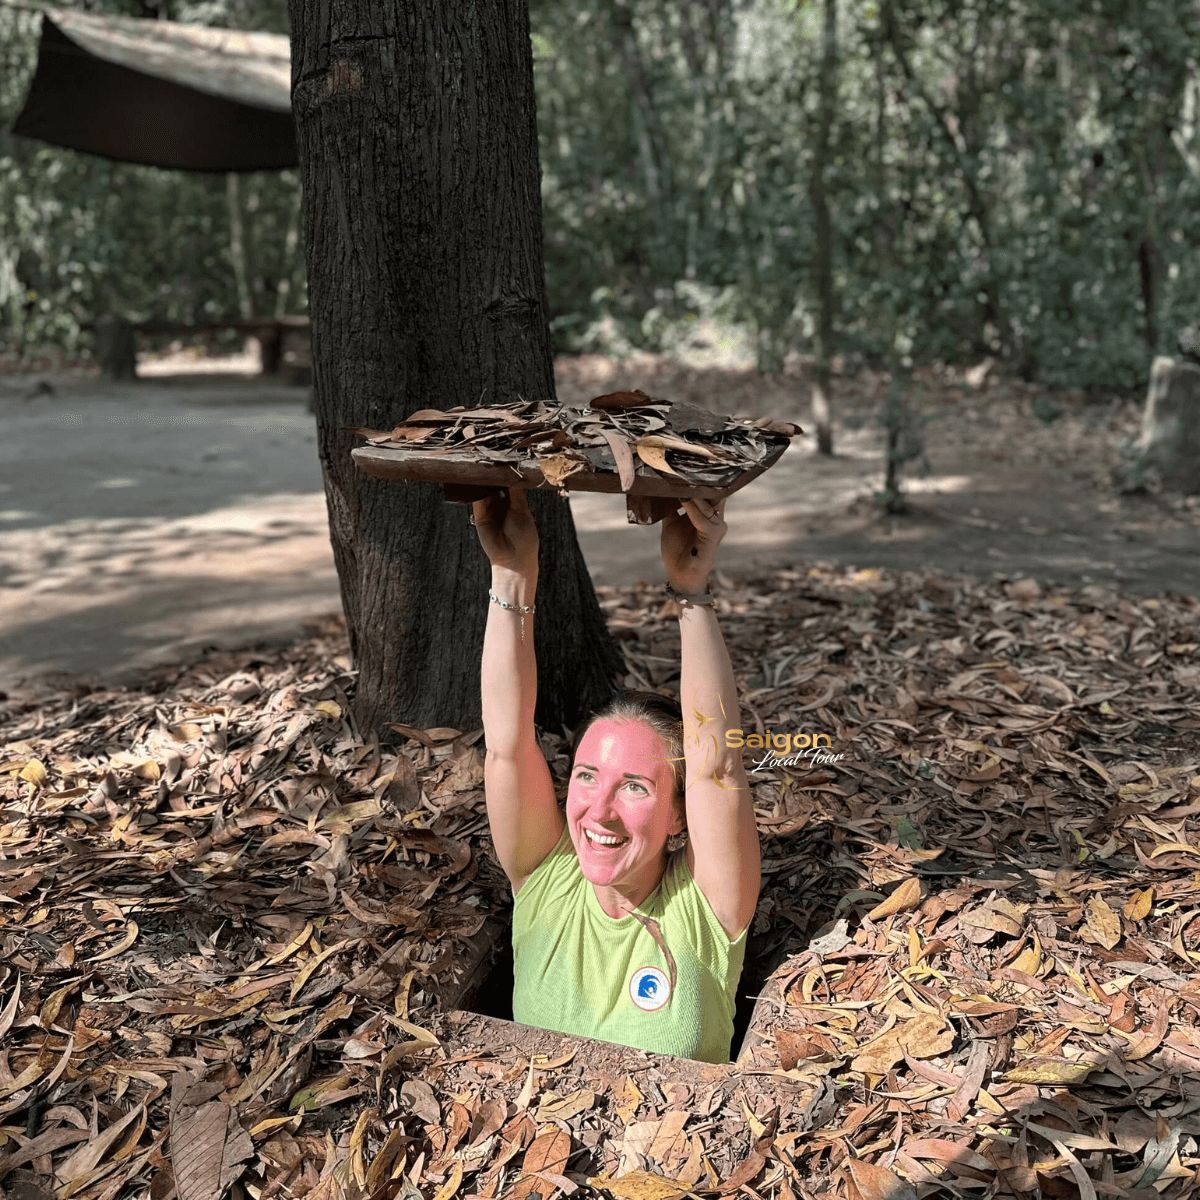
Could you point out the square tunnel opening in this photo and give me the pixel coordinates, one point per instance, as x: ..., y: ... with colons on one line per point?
x: 487, y: 988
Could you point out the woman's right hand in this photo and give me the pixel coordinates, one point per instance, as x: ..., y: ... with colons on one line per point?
x: 507, y: 531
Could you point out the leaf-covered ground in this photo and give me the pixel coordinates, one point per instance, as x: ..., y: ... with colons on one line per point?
x: 227, y: 923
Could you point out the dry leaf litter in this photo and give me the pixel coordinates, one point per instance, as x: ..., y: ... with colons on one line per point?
x: 622, y: 433
x: 228, y: 924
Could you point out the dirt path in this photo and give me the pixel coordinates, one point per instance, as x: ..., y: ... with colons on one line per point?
x: 142, y: 523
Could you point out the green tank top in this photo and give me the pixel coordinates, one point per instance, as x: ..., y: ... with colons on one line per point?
x: 579, y: 971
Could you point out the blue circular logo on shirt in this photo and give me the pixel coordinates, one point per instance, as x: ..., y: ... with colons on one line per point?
x: 649, y: 988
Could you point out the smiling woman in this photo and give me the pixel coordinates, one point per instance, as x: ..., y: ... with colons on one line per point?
x: 617, y: 934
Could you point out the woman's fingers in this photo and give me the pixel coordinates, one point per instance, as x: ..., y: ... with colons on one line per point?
x: 705, y: 513
x: 483, y: 511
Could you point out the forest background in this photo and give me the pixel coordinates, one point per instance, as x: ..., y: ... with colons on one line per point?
x: 1003, y: 178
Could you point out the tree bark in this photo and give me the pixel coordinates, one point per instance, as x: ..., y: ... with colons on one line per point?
x: 418, y: 155
x: 237, y: 245
x: 823, y: 251
x: 887, y: 241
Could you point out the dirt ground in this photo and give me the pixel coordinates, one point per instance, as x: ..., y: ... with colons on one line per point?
x: 142, y: 523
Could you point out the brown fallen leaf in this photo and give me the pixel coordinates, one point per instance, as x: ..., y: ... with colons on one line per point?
x: 558, y: 468
x: 925, y: 1035
x: 963, y: 1099
x: 548, y: 1153
x: 618, y: 400
x: 44, y: 1143
x: 436, y: 415
x: 992, y: 919
x: 1150, y: 1037
x: 452, y: 1184
x: 489, y: 1117
x: 1029, y: 961
x: 1045, y: 1071
x: 9, y: 1012
x: 1103, y: 923
x: 563, y: 1108
x: 209, y: 1148
x: 747, y: 1170
x: 34, y: 772
x: 427, y: 737
x: 1133, y: 1130
x: 622, y: 456
x: 670, y: 1142
x: 786, y: 428
x: 77, y: 1170
x: 904, y: 899
x: 1139, y: 904
x: 419, y: 1097
x: 639, y: 1185
x: 654, y: 456
x: 627, y: 1100
x: 667, y: 441
x: 944, y: 1150
x: 874, y: 1182
x: 794, y: 1048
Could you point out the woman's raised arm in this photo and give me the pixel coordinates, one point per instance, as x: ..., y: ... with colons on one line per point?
x: 723, y: 848
x: 522, y: 811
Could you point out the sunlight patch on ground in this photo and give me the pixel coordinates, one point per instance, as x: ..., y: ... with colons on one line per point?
x: 114, y: 551
x: 938, y: 484
x: 189, y: 362
x: 863, y: 443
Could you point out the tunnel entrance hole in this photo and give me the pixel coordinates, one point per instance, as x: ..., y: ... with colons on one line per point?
x: 489, y: 987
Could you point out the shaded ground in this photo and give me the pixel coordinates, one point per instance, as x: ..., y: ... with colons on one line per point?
x: 980, y: 923
x: 141, y: 523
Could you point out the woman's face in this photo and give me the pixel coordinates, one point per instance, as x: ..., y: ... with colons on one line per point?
x: 621, y: 787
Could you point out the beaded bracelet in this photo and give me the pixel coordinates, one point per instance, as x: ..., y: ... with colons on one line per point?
x: 518, y: 608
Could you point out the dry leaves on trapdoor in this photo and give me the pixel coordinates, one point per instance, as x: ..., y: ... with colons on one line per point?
x: 623, y: 441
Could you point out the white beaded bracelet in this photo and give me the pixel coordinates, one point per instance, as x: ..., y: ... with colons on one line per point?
x: 518, y: 608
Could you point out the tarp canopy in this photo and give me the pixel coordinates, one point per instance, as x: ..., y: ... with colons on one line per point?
x: 162, y: 93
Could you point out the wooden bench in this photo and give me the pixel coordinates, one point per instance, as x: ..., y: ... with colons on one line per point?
x: 116, y: 341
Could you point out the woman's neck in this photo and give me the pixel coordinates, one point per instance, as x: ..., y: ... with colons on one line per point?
x: 619, y: 900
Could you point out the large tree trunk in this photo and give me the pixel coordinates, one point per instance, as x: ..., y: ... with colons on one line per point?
x: 823, y: 250
x: 418, y: 155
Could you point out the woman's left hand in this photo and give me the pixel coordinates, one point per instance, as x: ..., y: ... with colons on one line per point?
x: 689, y: 543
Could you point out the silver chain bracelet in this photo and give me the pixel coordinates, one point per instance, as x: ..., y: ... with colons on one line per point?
x: 702, y: 599
x: 517, y: 608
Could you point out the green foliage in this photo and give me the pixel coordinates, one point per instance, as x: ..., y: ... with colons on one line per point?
x: 81, y: 236
x: 1011, y: 163
x: 1044, y: 411
x: 1009, y: 178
